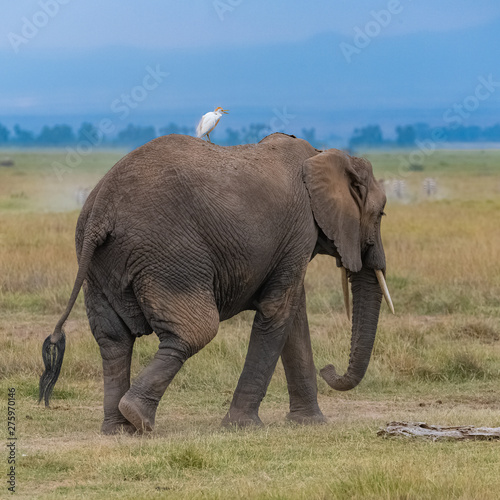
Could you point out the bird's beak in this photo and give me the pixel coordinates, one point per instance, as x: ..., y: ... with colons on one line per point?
x: 225, y: 111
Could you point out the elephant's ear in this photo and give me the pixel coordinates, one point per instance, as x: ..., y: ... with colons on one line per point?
x: 336, y: 197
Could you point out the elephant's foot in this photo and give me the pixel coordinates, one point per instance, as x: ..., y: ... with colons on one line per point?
x: 307, y: 418
x: 238, y: 418
x: 139, y: 412
x: 123, y: 427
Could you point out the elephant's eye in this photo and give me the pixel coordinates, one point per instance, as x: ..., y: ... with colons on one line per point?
x: 382, y: 214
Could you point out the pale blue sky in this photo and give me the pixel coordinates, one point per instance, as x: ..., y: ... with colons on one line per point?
x: 251, y: 56
x: 196, y: 23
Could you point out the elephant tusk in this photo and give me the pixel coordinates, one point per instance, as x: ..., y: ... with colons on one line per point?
x: 345, y: 289
x: 385, y: 291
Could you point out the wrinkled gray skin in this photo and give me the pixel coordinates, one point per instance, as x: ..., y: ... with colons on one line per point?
x: 181, y: 234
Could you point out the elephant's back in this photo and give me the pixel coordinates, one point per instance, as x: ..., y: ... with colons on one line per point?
x: 275, y: 155
x: 179, y: 169
x: 182, y: 176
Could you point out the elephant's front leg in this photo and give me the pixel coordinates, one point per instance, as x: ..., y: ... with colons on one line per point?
x: 300, y: 371
x: 271, y: 323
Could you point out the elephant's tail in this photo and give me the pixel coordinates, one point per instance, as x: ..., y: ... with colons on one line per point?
x: 54, y: 345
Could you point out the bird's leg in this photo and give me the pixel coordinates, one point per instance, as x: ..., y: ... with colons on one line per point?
x: 208, y: 137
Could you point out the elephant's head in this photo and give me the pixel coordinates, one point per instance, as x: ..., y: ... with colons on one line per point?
x: 348, y: 203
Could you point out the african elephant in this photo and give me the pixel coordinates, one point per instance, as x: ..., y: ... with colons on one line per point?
x: 181, y: 234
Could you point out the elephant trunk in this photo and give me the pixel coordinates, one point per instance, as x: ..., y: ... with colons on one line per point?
x: 367, y: 298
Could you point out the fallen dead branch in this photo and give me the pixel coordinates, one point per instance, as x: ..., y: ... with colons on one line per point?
x: 438, y: 432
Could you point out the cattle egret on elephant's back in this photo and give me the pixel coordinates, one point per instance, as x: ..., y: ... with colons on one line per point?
x: 208, y: 122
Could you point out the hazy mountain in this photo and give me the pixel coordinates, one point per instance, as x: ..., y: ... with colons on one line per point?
x: 393, y: 80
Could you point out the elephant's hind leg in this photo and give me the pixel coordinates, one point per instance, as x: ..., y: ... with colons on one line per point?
x: 139, y: 404
x: 115, y: 343
x: 180, y: 337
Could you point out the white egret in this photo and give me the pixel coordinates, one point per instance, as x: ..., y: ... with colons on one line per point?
x: 209, y: 121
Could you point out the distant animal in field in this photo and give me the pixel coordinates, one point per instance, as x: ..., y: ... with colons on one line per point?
x: 180, y: 235
x: 6, y: 162
x: 429, y: 186
x: 81, y: 195
x: 399, y: 189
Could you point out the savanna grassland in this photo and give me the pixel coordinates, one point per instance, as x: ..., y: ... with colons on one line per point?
x: 437, y: 360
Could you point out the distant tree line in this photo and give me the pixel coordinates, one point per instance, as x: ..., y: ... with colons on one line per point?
x: 410, y: 135
x: 64, y: 135
x: 130, y: 136
x: 136, y: 135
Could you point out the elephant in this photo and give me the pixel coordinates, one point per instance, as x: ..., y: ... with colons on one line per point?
x: 182, y: 234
